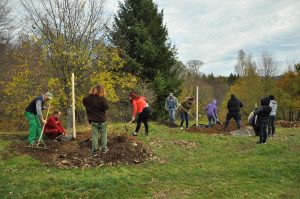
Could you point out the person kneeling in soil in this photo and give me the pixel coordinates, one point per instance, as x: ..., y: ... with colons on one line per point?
x: 53, y: 128
x: 140, y: 107
x: 263, y: 119
x: 211, y: 112
x: 96, y: 106
x: 183, y: 110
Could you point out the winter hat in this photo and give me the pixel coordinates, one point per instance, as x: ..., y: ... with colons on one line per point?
x: 265, y: 101
x: 49, y: 95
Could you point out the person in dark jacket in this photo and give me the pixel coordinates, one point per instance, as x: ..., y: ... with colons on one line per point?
x: 183, y: 109
x: 96, y: 106
x: 234, y: 105
x: 263, y: 113
x: 34, y: 116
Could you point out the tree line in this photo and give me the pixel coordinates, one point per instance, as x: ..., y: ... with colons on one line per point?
x: 132, y: 51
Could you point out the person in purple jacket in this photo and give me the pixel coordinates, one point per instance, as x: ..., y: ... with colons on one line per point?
x: 211, y: 112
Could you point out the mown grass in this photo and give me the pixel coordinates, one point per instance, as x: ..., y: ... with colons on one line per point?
x: 188, y: 165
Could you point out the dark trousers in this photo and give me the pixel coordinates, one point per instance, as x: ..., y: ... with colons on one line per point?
x: 262, y: 128
x: 237, y: 117
x: 143, y: 117
x: 271, y: 125
x: 184, y: 116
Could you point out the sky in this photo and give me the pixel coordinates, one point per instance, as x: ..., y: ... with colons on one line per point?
x: 213, y: 31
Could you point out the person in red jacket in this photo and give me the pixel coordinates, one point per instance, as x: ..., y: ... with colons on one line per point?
x: 53, y: 127
x: 140, y: 108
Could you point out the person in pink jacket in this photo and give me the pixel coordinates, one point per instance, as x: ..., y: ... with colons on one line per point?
x: 141, y: 111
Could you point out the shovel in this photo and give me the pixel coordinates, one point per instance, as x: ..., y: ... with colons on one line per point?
x: 126, y: 125
x: 219, y: 122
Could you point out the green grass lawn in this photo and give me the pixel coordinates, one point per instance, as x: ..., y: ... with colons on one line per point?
x: 187, y: 165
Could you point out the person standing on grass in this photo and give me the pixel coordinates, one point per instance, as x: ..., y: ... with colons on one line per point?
x: 96, y: 106
x: 183, y: 109
x: 272, y: 116
x: 140, y: 108
x: 234, y: 105
x: 53, y: 127
x: 263, y: 113
x: 34, y: 116
x: 171, y: 105
x: 211, y: 112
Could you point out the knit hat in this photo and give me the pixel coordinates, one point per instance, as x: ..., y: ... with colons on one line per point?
x: 49, y: 95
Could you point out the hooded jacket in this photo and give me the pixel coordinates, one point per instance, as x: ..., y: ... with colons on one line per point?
x: 96, y: 107
x: 211, y: 109
x: 263, y: 111
x: 273, y: 105
x: 234, y: 104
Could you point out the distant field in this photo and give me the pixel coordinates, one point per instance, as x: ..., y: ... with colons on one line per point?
x: 187, y: 165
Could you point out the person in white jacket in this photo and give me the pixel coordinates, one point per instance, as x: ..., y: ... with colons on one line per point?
x: 272, y: 116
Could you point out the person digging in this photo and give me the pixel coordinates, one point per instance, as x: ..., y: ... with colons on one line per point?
x: 34, y: 116
x: 140, y: 107
x: 183, y: 110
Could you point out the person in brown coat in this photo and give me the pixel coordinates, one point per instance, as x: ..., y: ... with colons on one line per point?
x: 183, y: 109
x: 96, y: 106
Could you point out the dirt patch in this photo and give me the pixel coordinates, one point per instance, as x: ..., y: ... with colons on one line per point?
x: 123, y: 149
x: 287, y: 124
x: 216, y: 129
x: 167, y: 123
x: 185, y: 144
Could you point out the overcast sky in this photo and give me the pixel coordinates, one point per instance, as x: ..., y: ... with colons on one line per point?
x: 213, y: 31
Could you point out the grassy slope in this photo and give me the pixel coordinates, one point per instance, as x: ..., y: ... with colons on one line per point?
x: 211, y: 166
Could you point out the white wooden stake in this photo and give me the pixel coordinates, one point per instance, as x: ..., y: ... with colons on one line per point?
x: 197, y: 107
x: 73, y: 104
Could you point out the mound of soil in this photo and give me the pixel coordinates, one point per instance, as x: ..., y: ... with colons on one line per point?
x: 77, y: 153
x: 287, y: 124
x: 216, y: 129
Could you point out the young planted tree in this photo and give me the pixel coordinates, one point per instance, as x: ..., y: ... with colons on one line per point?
x: 139, y: 31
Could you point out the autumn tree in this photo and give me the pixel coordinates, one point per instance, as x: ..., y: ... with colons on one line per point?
x: 289, y: 82
x: 139, y: 31
x: 72, y: 34
x: 25, y: 79
x: 244, y: 61
x: 268, y: 67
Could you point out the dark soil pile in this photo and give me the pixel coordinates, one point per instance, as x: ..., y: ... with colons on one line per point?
x: 216, y: 129
x: 288, y: 124
x: 77, y: 153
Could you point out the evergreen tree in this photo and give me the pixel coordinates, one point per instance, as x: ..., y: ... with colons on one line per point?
x: 139, y: 31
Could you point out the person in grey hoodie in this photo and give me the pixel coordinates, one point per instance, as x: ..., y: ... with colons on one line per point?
x: 272, y: 116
